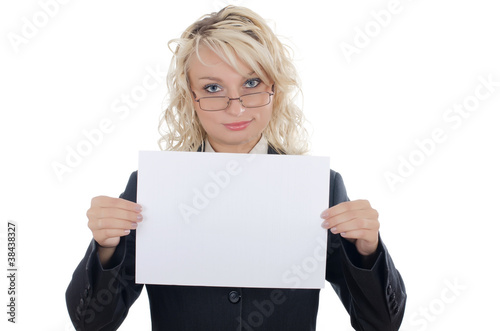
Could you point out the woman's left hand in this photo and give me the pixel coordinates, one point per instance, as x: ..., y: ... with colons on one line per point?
x: 357, y: 222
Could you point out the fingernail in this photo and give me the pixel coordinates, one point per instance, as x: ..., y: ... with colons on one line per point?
x: 333, y: 229
x: 126, y: 231
x: 138, y: 208
x: 139, y: 217
x: 325, y: 224
x: 134, y: 225
x: 324, y: 214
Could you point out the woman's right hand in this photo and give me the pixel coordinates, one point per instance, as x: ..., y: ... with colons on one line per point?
x: 112, y: 218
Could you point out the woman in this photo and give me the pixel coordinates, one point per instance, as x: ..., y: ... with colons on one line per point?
x: 231, y: 85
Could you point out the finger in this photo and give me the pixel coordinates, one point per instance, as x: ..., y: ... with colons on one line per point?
x: 356, y: 234
x: 102, y: 235
x: 109, y: 242
x: 344, y: 207
x: 366, y: 234
x: 366, y: 242
x: 99, y: 213
x: 109, y: 202
x: 111, y: 223
x: 359, y: 216
x: 356, y: 224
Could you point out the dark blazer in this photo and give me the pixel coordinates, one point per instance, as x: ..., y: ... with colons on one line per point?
x: 374, y: 295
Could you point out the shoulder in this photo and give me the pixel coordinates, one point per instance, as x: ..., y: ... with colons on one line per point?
x: 130, y: 192
x: 338, y: 192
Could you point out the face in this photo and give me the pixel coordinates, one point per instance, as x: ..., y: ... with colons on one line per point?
x: 235, y: 129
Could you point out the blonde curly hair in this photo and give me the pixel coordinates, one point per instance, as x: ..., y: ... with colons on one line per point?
x: 233, y: 32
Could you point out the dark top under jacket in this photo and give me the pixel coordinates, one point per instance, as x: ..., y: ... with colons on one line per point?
x: 374, y: 296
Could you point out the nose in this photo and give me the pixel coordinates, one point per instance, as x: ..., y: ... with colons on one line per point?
x: 235, y: 107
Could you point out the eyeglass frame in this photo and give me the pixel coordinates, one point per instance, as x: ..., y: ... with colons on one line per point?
x: 231, y: 99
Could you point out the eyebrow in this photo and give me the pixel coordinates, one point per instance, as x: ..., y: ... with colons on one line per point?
x: 218, y: 79
x: 210, y: 78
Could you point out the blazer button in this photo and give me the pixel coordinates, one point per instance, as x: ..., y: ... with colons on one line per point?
x: 234, y: 297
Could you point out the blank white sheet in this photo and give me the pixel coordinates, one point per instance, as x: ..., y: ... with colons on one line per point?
x: 235, y: 220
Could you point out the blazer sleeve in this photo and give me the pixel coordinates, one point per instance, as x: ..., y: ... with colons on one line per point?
x: 98, y: 298
x: 375, y: 297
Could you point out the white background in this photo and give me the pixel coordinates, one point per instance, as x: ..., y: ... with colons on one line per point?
x: 440, y: 223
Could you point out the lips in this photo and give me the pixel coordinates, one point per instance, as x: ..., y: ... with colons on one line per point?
x: 237, y: 126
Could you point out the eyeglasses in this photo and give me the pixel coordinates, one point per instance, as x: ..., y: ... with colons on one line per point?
x: 251, y: 100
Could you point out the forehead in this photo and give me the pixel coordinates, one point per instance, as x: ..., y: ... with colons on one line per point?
x: 207, y: 62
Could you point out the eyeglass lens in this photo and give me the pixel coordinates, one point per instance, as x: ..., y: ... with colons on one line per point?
x: 248, y: 101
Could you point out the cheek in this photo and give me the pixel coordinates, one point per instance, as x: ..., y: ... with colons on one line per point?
x: 206, y: 119
x: 199, y: 115
x: 267, y: 115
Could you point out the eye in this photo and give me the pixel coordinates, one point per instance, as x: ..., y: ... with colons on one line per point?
x: 212, y: 88
x: 254, y: 82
